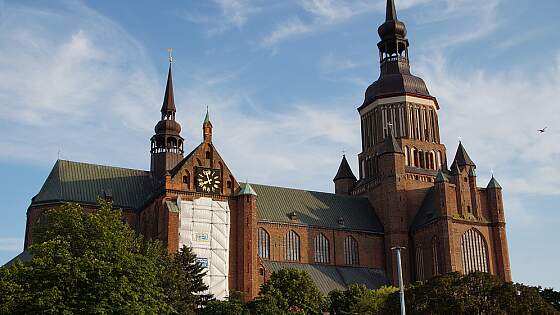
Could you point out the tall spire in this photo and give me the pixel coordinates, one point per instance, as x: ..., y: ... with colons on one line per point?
x: 207, y: 127
x: 391, y: 14
x: 168, y: 98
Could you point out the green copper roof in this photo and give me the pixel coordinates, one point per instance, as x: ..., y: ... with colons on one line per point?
x: 207, y: 118
x: 84, y: 183
x: 246, y: 189
x: 329, y: 277
x: 319, y: 209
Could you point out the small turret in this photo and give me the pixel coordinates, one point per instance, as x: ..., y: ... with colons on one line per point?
x: 344, y: 180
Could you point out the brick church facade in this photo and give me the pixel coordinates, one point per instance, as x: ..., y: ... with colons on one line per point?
x: 405, y: 194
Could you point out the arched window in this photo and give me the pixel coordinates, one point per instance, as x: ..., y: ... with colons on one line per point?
x: 419, y: 263
x: 413, y: 157
x: 351, y: 255
x: 264, y: 243
x: 473, y: 252
x: 321, y: 249
x: 406, y: 161
x: 439, y: 161
x: 292, y: 246
x: 435, y: 256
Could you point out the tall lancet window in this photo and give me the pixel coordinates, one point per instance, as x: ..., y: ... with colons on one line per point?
x: 435, y: 256
x: 292, y: 246
x: 419, y: 263
x: 264, y: 243
x: 473, y: 252
x: 321, y: 249
x: 351, y: 255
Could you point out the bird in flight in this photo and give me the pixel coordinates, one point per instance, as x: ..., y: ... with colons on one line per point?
x: 542, y: 130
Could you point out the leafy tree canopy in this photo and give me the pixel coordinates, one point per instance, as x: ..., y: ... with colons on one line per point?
x: 475, y: 293
x: 90, y: 262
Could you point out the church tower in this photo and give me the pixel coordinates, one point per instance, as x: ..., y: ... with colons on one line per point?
x: 400, y: 101
x: 167, y: 143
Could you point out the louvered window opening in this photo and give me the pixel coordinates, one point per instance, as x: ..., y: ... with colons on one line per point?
x: 419, y: 263
x: 292, y: 246
x: 321, y: 249
x: 351, y: 256
x: 264, y: 243
x: 473, y: 250
x: 435, y: 256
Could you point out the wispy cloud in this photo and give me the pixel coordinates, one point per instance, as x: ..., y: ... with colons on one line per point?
x: 497, y: 115
x: 232, y: 13
x: 11, y: 244
x: 67, y: 70
x: 285, y: 30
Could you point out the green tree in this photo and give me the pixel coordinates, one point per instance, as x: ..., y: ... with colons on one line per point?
x: 290, y: 291
x: 88, y: 262
x: 551, y: 296
x: 182, y: 282
x: 475, y: 293
x: 233, y: 305
x: 358, y: 299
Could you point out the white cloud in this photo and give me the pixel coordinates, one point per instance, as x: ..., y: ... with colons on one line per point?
x: 285, y: 30
x: 497, y: 115
x: 11, y: 244
x: 233, y: 13
x: 72, y: 79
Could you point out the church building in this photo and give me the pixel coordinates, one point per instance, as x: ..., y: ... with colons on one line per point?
x: 406, y: 193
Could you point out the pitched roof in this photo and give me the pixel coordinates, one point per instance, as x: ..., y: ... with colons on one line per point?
x: 84, y: 183
x: 246, y: 189
x: 344, y: 170
x: 493, y: 183
x: 390, y: 144
x: 329, y: 277
x: 24, y: 256
x: 462, y: 158
x: 427, y: 212
x: 319, y: 209
x: 186, y: 159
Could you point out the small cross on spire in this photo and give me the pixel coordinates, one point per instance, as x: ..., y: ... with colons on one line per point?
x: 170, y: 52
x: 344, y: 152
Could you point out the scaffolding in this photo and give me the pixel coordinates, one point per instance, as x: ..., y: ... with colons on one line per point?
x: 204, y: 227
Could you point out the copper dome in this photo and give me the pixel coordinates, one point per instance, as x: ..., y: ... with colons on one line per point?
x: 167, y: 126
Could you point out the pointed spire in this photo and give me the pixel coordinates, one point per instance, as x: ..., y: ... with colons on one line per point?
x: 493, y: 184
x: 462, y: 157
x: 344, y: 170
x: 390, y: 144
x: 440, y: 178
x: 168, y: 99
x: 207, y: 117
x: 246, y: 190
x: 391, y: 14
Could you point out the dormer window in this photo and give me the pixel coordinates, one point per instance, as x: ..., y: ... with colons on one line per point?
x: 292, y: 215
x: 340, y: 221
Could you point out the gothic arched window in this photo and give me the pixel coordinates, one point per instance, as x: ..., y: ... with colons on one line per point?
x: 473, y: 252
x: 321, y: 249
x: 419, y: 263
x: 435, y: 256
x: 351, y: 255
x: 406, y: 156
x: 264, y: 243
x: 292, y: 246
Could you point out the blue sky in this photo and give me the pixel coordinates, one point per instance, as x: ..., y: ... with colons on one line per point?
x: 84, y: 81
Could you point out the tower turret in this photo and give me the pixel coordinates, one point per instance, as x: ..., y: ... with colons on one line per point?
x: 344, y: 180
x: 167, y: 143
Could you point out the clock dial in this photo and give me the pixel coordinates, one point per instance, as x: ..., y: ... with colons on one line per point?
x: 208, y: 180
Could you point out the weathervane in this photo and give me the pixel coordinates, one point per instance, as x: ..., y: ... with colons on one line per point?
x: 170, y: 51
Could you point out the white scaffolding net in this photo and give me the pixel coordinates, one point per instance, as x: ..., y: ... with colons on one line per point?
x: 205, y: 228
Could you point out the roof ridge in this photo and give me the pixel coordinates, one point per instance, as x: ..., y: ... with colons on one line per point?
x: 311, y: 191
x: 103, y: 165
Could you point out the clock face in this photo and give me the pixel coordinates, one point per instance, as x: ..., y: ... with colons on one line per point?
x: 208, y: 180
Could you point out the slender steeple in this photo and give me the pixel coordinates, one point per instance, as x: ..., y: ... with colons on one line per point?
x: 167, y: 143
x: 207, y: 127
x: 168, y: 106
x: 391, y: 14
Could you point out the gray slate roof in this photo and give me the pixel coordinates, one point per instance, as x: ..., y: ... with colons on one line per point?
x: 329, y: 277
x: 84, y: 183
x: 315, y: 209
